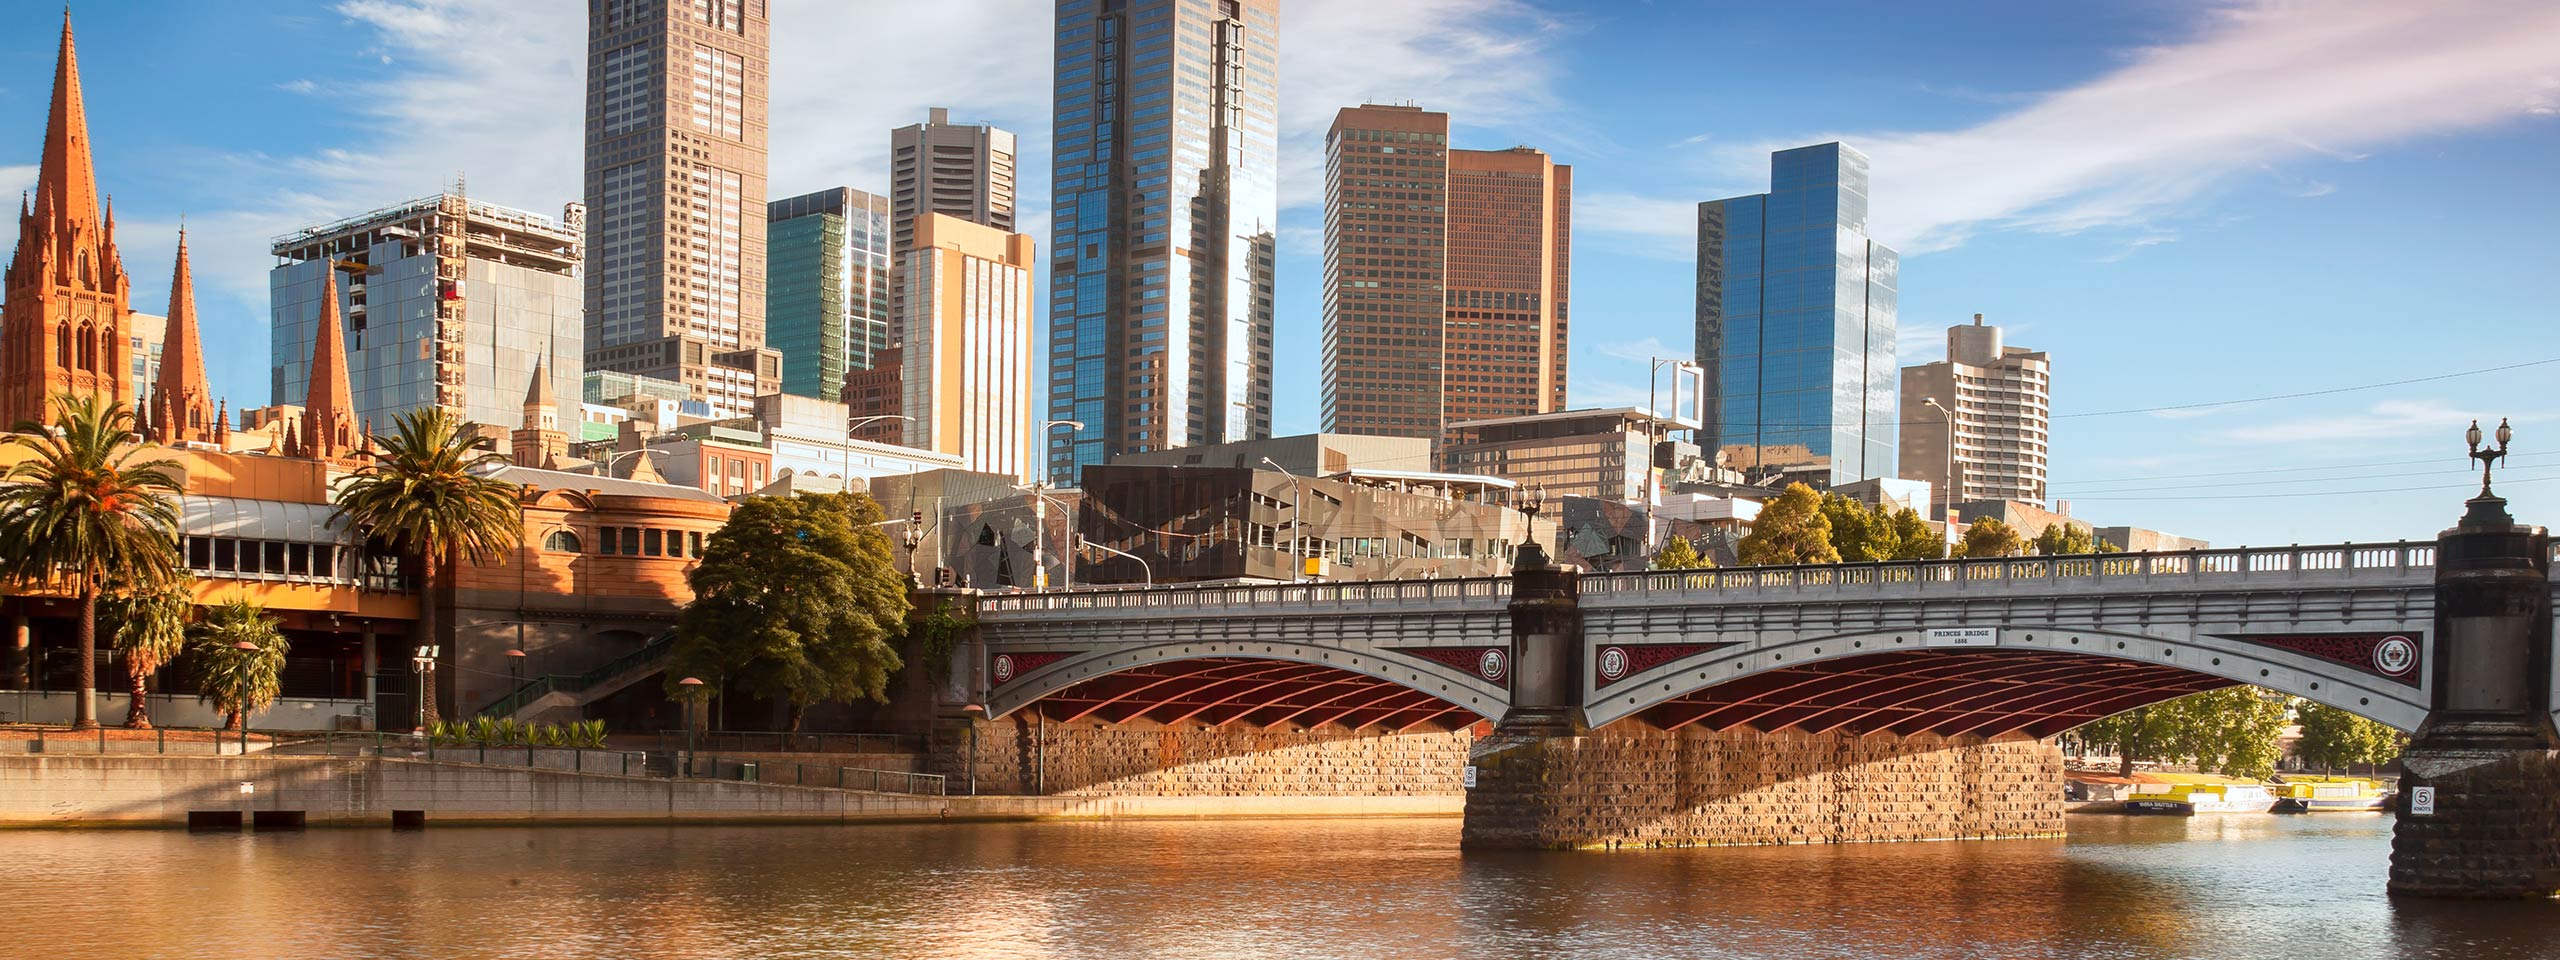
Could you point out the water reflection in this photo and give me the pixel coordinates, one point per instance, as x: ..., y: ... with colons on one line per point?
x: 2120, y: 887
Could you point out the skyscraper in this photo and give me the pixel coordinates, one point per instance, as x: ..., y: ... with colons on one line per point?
x: 66, y: 323
x: 1166, y: 196
x: 1447, y: 274
x: 961, y: 169
x: 675, y: 188
x: 1796, y: 323
x: 454, y: 303
x: 967, y: 360
x: 828, y: 267
x: 1998, y: 400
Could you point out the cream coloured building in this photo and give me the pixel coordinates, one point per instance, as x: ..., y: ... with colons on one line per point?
x: 967, y: 363
x: 1999, y: 402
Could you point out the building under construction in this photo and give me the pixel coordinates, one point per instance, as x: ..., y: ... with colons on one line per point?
x: 448, y: 302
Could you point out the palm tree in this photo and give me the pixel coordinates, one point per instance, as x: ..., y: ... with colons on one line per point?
x: 80, y: 513
x: 237, y: 658
x: 428, y: 494
x: 151, y: 627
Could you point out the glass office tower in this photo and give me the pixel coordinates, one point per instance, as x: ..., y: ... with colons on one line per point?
x: 1796, y: 323
x: 827, y: 280
x: 1165, y: 199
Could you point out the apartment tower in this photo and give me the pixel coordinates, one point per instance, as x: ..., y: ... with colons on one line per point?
x: 963, y: 170
x: 1447, y: 277
x: 1796, y: 324
x: 675, y: 188
x: 1998, y: 401
x: 967, y: 366
x: 1166, y: 196
x: 827, y: 270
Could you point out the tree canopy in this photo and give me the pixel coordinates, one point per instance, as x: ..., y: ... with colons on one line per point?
x: 2333, y: 738
x: 1860, y: 534
x: 1913, y: 539
x: 238, y: 681
x: 2231, y: 731
x: 1791, y: 529
x: 1678, y: 553
x: 796, y: 599
x: 1988, y: 537
x: 150, y: 630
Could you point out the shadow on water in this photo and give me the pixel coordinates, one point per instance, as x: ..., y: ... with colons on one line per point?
x: 2220, y: 887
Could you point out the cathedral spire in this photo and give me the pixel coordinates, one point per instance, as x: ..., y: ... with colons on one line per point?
x: 328, y: 407
x: 67, y: 297
x: 182, y: 405
x: 68, y: 185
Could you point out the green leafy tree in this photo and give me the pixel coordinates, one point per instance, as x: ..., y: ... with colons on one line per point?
x: 2065, y: 539
x: 1913, y: 539
x: 2334, y: 738
x: 796, y: 599
x: 427, y: 494
x: 1859, y: 533
x: 1791, y: 529
x: 1678, y: 553
x: 237, y: 658
x: 2233, y: 730
x: 150, y: 630
x: 1988, y: 537
x: 80, y: 513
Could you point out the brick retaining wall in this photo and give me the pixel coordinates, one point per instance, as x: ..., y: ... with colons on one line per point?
x: 1141, y: 758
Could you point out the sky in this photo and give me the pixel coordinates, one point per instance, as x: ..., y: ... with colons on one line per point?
x: 2344, y: 205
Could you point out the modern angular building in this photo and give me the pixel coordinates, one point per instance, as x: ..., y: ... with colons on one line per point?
x: 827, y: 273
x: 1447, y: 276
x: 967, y: 364
x: 675, y: 189
x: 1998, y: 401
x: 1796, y: 324
x: 963, y: 170
x: 1166, y: 199
x: 446, y: 302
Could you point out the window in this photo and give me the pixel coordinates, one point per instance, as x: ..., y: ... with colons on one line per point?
x: 274, y: 551
x: 612, y: 540
x: 630, y: 541
x: 696, y: 538
x: 656, y: 545
x: 200, y: 552
x: 565, y: 541
x: 298, y: 559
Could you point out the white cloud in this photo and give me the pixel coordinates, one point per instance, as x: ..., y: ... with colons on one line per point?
x: 2259, y: 84
x: 1641, y: 351
x: 2390, y: 419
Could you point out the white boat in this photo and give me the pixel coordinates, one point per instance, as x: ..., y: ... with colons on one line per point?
x: 2190, y: 799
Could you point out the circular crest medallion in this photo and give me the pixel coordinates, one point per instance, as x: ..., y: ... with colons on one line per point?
x: 1613, y: 663
x: 1491, y: 665
x: 1004, y: 667
x: 2395, y: 656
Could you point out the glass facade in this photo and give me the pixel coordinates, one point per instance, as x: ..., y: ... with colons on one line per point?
x: 1165, y: 200
x: 1796, y: 323
x: 827, y: 269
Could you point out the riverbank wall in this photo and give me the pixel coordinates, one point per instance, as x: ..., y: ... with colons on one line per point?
x: 1023, y: 754
x: 157, y: 791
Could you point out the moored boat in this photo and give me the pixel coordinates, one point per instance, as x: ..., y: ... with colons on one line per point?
x: 2190, y: 799
x: 2318, y: 794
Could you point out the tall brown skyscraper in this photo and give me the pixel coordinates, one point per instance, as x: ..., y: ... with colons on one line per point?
x: 1446, y: 277
x: 675, y: 187
x: 963, y: 170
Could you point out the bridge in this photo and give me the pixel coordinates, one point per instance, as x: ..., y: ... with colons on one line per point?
x: 1984, y: 647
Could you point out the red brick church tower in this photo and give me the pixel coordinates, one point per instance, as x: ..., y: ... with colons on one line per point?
x: 181, y: 406
x: 67, y: 324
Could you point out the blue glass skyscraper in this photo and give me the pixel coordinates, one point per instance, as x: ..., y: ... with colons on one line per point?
x: 1796, y: 323
x: 1166, y: 195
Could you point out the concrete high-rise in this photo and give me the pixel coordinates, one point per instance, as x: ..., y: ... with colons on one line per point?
x: 1998, y: 399
x: 966, y: 364
x: 447, y: 302
x: 1796, y: 323
x: 1166, y: 199
x: 827, y: 270
x: 675, y: 188
x: 1447, y: 277
x: 964, y: 170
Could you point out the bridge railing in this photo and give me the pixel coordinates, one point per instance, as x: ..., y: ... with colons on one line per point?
x: 2185, y: 567
x: 1351, y: 593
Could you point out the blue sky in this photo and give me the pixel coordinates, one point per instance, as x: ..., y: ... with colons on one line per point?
x: 2183, y: 202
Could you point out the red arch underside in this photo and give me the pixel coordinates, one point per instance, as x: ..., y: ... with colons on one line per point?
x: 1219, y: 691
x: 1940, y: 691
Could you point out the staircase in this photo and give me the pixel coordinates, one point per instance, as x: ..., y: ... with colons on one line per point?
x: 555, y: 692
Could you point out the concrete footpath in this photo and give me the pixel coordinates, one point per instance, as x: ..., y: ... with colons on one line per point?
x: 161, y: 791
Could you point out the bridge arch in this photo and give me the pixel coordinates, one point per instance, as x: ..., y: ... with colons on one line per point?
x: 1264, y: 683
x: 2037, y: 679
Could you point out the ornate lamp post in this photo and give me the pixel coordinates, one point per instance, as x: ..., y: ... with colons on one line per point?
x: 2489, y: 456
x: 1532, y: 554
x: 913, y: 538
x: 515, y: 665
x: 1949, y: 496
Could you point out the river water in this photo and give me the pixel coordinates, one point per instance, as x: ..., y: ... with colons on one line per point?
x: 2300, y: 888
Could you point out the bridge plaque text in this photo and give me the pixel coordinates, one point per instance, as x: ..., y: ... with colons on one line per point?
x: 1962, y: 637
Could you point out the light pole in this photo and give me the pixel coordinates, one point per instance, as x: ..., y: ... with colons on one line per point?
x: 423, y: 664
x: 913, y: 538
x: 2489, y: 456
x: 1040, y: 514
x: 692, y: 694
x: 1949, y: 501
x: 1680, y: 369
x: 1532, y: 554
x: 856, y: 424
x: 609, y: 461
x: 1297, y: 520
x: 1048, y: 425
x: 515, y: 662
x: 1143, y: 566
x: 974, y: 711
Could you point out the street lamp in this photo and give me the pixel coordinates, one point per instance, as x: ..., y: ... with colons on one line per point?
x: 1531, y: 499
x: 692, y: 695
x: 1297, y: 520
x: 1950, y: 418
x: 2488, y: 456
x: 423, y: 663
x: 515, y: 666
x: 1048, y: 425
x: 856, y: 424
x: 1143, y: 567
x: 975, y: 711
x: 1040, y: 537
x: 913, y: 538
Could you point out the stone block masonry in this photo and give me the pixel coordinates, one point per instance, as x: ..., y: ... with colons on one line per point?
x: 1021, y: 754
x: 2494, y: 832
x: 1630, y: 785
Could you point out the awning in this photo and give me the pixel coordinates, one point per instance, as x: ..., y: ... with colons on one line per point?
x: 245, y: 519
